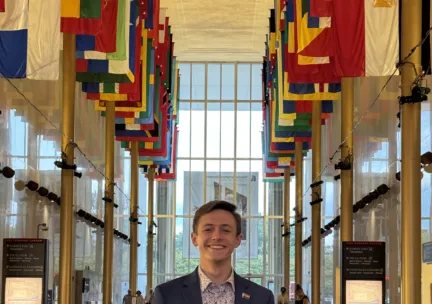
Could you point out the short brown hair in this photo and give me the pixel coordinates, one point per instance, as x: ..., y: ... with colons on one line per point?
x: 217, y: 205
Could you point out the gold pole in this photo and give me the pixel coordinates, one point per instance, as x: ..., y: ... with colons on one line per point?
x: 286, y: 211
x: 410, y: 172
x: 109, y: 206
x: 299, y: 211
x: 347, y: 118
x: 133, y: 270
x: 316, y: 194
x: 67, y: 182
x: 150, y: 230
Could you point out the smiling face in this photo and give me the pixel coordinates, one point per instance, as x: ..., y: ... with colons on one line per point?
x: 216, y: 236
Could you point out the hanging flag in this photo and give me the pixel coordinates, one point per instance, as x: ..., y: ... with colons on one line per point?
x: 105, y: 40
x: 81, y: 16
x: 112, y: 71
x: 2, y: 6
x: 366, y: 38
x: 119, y: 24
x: 30, y: 39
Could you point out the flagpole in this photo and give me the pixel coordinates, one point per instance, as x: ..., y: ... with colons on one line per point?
x: 67, y: 183
x: 299, y: 212
x: 347, y: 118
x: 316, y: 194
x: 410, y: 172
x: 133, y: 270
x: 150, y: 230
x: 109, y: 202
x: 286, y: 237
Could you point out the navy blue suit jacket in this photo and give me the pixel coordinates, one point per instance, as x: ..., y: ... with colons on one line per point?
x: 186, y: 290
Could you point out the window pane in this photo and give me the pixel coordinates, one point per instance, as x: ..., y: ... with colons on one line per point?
x: 197, y: 129
x: 244, y: 201
x: 227, y: 177
x: 182, y: 246
x: 163, y: 251
x: 185, y: 78
x: 256, y: 82
x: 198, y: 80
x: 142, y: 250
x: 257, y: 188
x: 426, y: 231
x: 243, y: 81
x: 426, y: 183
x: 213, y: 81
x: 227, y: 130
x: 227, y: 81
x: 274, y: 248
x: 213, y: 129
x: 256, y: 129
x: 243, y: 130
x: 18, y: 135
x: 184, y: 130
x: 213, y: 187
x: 142, y: 194
x: 274, y: 199
x: 164, y: 197
x: 182, y: 184
x: 197, y: 184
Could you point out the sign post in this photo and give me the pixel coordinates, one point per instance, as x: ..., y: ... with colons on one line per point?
x: 363, y: 272
x: 25, y: 271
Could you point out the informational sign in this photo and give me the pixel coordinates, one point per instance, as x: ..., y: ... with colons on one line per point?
x: 427, y: 253
x: 367, y: 292
x: 25, y: 271
x: 23, y: 290
x: 363, y: 272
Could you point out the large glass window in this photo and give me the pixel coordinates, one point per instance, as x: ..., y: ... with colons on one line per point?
x: 220, y: 157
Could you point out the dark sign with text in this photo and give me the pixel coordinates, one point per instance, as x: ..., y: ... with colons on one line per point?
x: 427, y: 253
x: 25, y: 270
x: 363, y: 272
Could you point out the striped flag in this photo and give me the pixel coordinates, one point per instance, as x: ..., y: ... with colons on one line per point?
x: 30, y: 39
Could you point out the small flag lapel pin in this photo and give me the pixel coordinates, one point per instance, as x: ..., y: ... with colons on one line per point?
x: 245, y: 296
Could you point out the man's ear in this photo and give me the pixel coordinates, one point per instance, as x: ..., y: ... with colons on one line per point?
x: 239, y: 239
x: 194, y: 239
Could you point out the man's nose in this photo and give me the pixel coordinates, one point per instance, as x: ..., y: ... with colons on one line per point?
x: 216, y: 235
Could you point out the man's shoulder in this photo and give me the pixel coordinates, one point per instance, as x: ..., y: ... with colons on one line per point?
x: 178, y: 282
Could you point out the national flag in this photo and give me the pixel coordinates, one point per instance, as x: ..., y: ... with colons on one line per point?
x: 309, y: 31
x: 366, y: 37
x: 30, y: 39
x: 112, y: 71
x: 105, y: 40
x: 81, y: 16
x: 119, y: 26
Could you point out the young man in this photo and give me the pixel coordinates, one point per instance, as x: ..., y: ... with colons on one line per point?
x: 216, y: 233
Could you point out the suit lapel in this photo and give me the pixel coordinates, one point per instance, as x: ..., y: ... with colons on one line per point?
x: 191, y: 289
x: 241, y: 290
